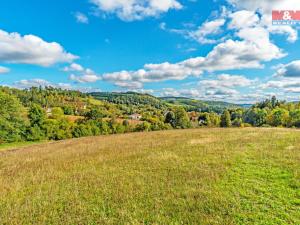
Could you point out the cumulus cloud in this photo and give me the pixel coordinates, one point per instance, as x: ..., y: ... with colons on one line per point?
x: 4, y: 69
x: 223, y: 87
x: 151, y: 73
x: 144, y: 91
x: 73, y: 67
x: 249, y: 47
x: 32, y: 83
x: 243, y: 19
x: 285, y: 79
x: 295, y: 90
x: 254, y: 48
x: 292, y: 34
x: 80, y: 74
x: 227, y: 81
x: 204, y: 34
x: 282, y: 84
x: 202, y: 93
x: 206, y: 29
x: 291, y: 69
x: 248, y: 53
x: 136, y: 9
x: 265, y: 9
x: 81, y: 18
x: 30, y: 49
x: 25, y: 84
x: 88, y: 76
x: 192, y: 93
x: 222, y: 92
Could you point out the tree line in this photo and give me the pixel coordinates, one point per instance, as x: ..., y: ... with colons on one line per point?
x: 54, y: 114
x: 268, y: 113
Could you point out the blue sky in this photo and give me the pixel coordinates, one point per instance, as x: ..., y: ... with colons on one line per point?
x: 213, y: 50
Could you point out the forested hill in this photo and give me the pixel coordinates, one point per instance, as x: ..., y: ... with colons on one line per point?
x: 198, y: 105
x: 132, y: 98
x: 54, y: 114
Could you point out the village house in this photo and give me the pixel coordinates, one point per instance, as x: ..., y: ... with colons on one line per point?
x: 49, y: 111
x: 135, y: 116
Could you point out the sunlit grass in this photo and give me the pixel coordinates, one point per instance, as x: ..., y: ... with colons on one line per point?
x: 198, y: 176
x: 17, y: 145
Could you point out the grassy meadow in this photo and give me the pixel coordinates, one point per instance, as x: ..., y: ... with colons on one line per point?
x: 197, y: 176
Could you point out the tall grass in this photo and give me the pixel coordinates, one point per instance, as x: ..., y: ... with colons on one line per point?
x: 198, y: 176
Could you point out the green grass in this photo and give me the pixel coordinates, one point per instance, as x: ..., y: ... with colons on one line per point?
x: 200, y: 176
x: 17, y: 145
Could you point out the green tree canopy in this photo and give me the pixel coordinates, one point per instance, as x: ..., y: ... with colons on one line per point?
x: 12, y: 119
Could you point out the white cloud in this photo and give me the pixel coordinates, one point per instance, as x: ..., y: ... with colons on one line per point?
x: 284, y: 86
x: 171, y: 92
x: 73, y: 67
x: 248, y: 53
x: 250, y: 47
x: 81, y: 74
x: 222, y: 92
x: 292, y: 34
x: 25, y: 84
x: 81, y: 18
x: 206, y: 29
x: 202, y: 93
x: 254, y: 48
x: 281, y: 84
x: 144, y: 91
x: 4, y: 69
x: 295, y: 90
x: 243, y: 19
x: 132, y: 85
x: 227, y: 81
x: 32, y: 83
x: 87, y: 77
x: 130, y: 10
x: 151, y: 73
x: 265, y: 9
x: 221, y: 88
x: 291, y: 69
x: 204, y: 34
x: 30, y: 49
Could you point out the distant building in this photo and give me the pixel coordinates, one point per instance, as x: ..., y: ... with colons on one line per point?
x: 193, y: 116
x: 135, y: 116
x: 49, y: 111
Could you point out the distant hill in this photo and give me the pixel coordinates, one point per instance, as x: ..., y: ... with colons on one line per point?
x: 199, y: 105
x: 130, y: 98
x: 246, y: 106
x: 133, y: 98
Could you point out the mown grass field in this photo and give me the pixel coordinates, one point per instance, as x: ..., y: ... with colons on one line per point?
x: 200, y: 176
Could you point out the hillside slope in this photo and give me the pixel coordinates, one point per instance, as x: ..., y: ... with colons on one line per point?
x: 207, y: 176
x: 133, y: 98
x: 199, y: 105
